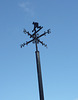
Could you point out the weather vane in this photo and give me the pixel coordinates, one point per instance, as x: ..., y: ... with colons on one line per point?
x: 36, y: 39
x: 35, y: 36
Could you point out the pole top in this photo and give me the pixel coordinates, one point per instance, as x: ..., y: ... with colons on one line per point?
x: 35, y: 36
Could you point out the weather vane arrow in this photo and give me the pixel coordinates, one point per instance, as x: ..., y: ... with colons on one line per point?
x: 36, y: 39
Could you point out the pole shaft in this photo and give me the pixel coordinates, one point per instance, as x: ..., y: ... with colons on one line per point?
x: 41, y: 94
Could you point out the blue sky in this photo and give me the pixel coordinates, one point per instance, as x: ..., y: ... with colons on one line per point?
x: 59, y: 63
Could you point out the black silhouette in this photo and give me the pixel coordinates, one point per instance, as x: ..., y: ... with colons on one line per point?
x: 36, y: 25
x: 35, y: 36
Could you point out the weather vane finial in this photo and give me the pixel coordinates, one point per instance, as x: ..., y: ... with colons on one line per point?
x: 36, y: 25
x: 35, y: 36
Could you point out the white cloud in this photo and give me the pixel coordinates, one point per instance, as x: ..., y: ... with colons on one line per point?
x: 27, y: 7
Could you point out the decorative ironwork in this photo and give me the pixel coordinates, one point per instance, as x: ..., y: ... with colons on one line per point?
x: 35, y: 36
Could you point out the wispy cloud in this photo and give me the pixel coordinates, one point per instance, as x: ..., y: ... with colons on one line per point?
x: 27, y: 7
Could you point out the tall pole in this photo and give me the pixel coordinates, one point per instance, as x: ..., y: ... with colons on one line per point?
x: 35, y: 37
x: 41, y: 94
